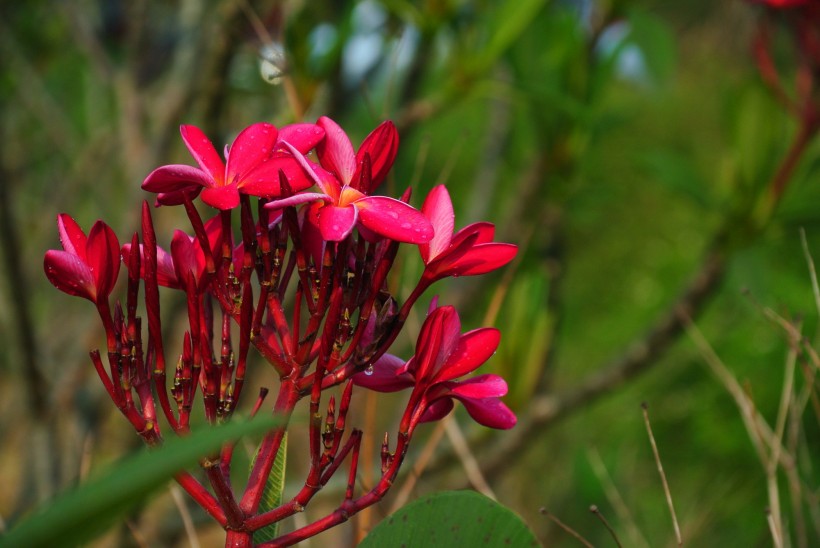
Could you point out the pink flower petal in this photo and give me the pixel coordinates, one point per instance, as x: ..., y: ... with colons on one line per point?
x: 472, y: 349
x: 253, y: 145
x: 176, y: 177
x: 325, y: 180
x: 72, y: 236
x: 381, y: 146
x: 438, y: 208
x: 177, y: 197
x: 224, y: 197
x: 437, y: 410
x: 296, y: 199
x: 472, y: 260
x: 484, y: 233
x: 303, y: 137
x: 481, y: 386
x: 103, y: 257
x: 186, y: 262
x: 394, y: 219
x: 335, y: 151
x: 437, y: 339
x: 384, y: 375
x: 490, y: 412
x: 335, y: 223
x: 68, y: 273
x: 263, y: 180
x: 166, y: 276
x: 203, y: 152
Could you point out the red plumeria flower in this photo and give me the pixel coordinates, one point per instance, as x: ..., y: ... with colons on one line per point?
x: 469, y: 252
x: 341, y: 205
x: 443, y: 355
x: 88, y: 266
x: 363, y: 170
x: 254, y: 161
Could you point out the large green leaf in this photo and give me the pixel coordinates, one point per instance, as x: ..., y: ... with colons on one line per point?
x: 452, y: 519
x: 81, y: 514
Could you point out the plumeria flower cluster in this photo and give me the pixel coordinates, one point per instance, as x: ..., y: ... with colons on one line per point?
x: 293, y: 263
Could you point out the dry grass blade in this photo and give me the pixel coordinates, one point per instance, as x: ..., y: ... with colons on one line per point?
x: 468, y: 460
x: 419, y: 464
x: 565, y: 527
x: 187, y: 522
x: 615, y: 499
x: 666, y: 490
x: 815, y: 287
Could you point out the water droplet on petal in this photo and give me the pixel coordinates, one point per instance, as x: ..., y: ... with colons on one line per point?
x: 369, y: 370
x: 393, y: 214
x: 406, y: 225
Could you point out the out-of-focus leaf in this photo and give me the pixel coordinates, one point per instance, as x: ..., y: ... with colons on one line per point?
x: 676, y: 172
x: 78, y: 516
x: 454, y: 519
x: 654, y: 40
x: 272, y: 495
x: 512, y: 19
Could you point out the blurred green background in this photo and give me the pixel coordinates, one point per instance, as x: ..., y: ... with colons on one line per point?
x: 628, y: 148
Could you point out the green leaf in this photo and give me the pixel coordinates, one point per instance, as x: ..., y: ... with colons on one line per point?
x: 655, y: 40
x: 452, y: 519
x: 272, y: 495
x: 513, y: 18
x: 79, y: 515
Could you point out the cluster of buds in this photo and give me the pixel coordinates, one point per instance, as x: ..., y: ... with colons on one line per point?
x: 802, y: 20
x: 302, y: 279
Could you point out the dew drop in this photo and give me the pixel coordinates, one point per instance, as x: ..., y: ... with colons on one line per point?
x: 369, y: 370
x: 393, y: 214
x: 406, y: 225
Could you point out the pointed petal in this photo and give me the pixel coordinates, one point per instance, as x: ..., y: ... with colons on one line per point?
x: 72, y: 236
x: 335, y: 151
x: 303, y: 137
x: 203, y: 152
x: 263, y: 180
x: 381, y: 146
x: 224, y: 197
x: 176, y: 177
x: 480, y: 259
x: 68, y: 273
x: 253, y: 145
x: 296, y: 199
x: 490, y: 412
x: 335, y: 223
x: 325, y: 180
x: 384, y: 376
x: 484, y: 233
x: 438, y: 208
x: 481, y: 386
x: 184, y: 254
x: 472, y: 349
x: 394, y: 219
x: 437, y: 340
x: 103, y: 257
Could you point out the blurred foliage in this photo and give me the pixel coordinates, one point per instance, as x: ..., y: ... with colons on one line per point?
x: 618, y: 142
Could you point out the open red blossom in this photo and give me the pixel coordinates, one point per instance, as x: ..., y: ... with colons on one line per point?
x: 363, y: 170
x: 339, y: 206
x: 782, y: 4
x: 88, y: 266
x: 443, y: 354
x: 469, y: 252
x: 254, y: 161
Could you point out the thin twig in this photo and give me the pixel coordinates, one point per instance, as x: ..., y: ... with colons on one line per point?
x: 597, y: 512
x: 565, y: 527
x: 667, y: 493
